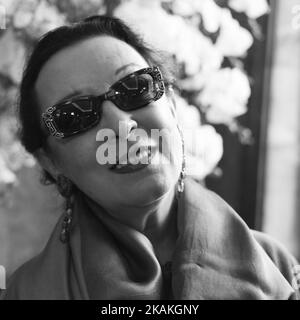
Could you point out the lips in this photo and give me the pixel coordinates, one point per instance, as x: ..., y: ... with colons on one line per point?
x: 141, y: 159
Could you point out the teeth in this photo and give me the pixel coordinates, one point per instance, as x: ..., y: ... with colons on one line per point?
x: 140, y: 157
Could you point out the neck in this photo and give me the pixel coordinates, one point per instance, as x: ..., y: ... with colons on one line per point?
x: 161, y: 229
x: 157, y: 221
x: 151, y: 219
x: 160, y: 218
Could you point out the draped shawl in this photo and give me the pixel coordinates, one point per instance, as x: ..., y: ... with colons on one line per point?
x: 216, y: 257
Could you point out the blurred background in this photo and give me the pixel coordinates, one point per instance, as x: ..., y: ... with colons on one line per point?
x: 237, y: 94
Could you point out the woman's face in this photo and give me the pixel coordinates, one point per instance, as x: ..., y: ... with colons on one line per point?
x: 89, y: 68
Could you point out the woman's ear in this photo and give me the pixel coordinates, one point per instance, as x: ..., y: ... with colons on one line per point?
x: 46, y: 162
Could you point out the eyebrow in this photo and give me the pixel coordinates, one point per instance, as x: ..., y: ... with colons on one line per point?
x: 125, y: 67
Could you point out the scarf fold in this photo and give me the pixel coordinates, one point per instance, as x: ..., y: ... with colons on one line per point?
x: 216, y: 257
x: 118, y: 261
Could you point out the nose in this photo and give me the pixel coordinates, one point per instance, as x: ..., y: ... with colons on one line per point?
x: 112, y: 116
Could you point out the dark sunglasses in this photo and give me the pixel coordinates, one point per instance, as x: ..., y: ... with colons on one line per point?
x: 77, y: 115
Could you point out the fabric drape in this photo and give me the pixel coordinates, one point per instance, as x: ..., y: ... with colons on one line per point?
x: 216, y: 257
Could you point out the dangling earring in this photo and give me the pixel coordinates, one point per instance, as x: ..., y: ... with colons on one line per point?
x: 180, y: 184
x: 66, y: 224
x: 65, y: 188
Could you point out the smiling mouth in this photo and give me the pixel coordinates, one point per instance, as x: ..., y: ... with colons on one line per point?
x: 139, y: 161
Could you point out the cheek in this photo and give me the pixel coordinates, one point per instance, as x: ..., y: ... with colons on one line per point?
x: 160, y: 117
x: 76, y: 157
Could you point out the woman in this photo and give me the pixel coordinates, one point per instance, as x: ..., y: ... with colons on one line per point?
x: 131, y: 230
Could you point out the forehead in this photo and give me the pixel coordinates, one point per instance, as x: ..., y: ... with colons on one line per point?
x: 89, y: 66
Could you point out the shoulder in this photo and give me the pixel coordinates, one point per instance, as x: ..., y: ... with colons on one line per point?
x: 281, y: 257
x: 42, y: 277
x: 22, y: 281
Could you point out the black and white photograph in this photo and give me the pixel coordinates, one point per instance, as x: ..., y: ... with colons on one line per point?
x: 149, y: 150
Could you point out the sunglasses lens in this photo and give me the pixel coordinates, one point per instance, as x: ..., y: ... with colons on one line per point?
x: 75, y: 117
x: 132, y: 92
x: 135, y: 91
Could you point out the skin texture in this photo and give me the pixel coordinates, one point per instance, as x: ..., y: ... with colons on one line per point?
x: 141, y: 199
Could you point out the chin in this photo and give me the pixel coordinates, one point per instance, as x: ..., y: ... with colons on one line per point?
x: 153, y: 188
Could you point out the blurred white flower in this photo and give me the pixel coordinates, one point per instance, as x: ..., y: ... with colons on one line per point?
x: 10, y: 6
x: 37, y: 17
x: 197, y: 52
x: 12, y: 152
x: 252, y: 8
x: 23, y: 12
x: 211, y: 15
x: 170, y: 33
x: 12, y: 158
x: 45, y: 18
x: 225, y: 95
x: 195, y: 82
x: 86, y: 5
x: 203, y: 145
x: 16, y: 157
x: 210, y: 12
x: 188, y: 115
x: 77, y: 9
x: 184, y: 8
x: 233, y: 41
x: 12, y: 56
x: 150, y: 20
x: 204, y: 149
x: 6, y: 175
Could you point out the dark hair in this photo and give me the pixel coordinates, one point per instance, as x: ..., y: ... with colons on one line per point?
x: 31, y: 134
